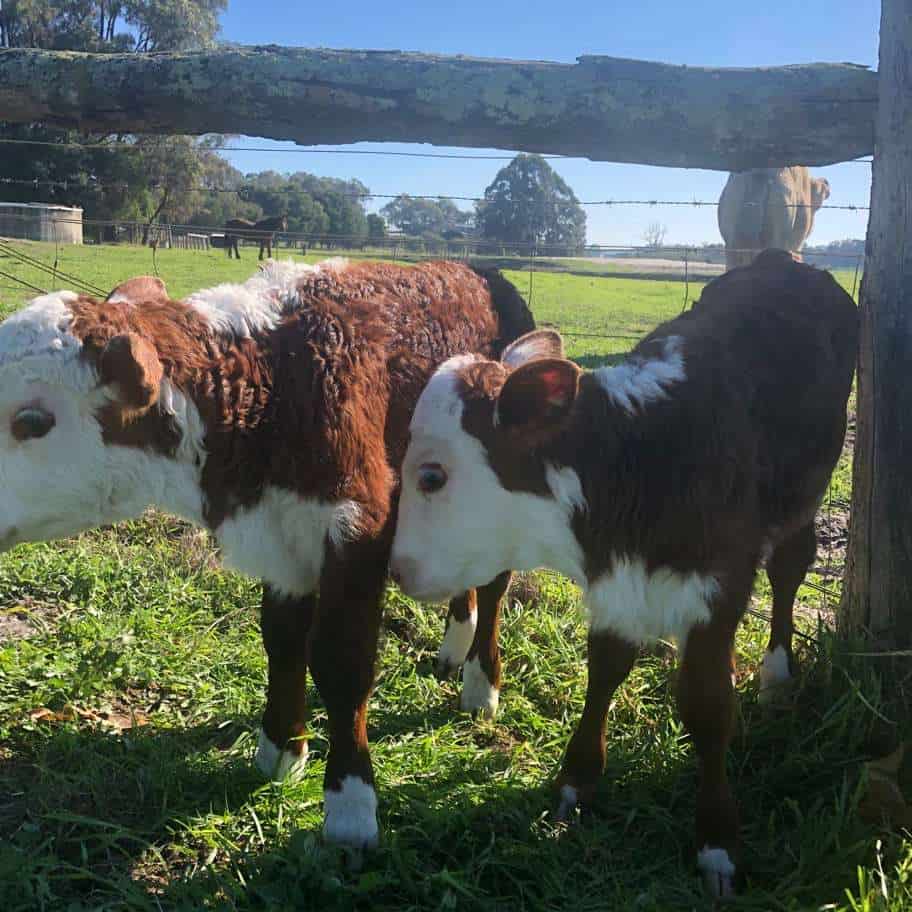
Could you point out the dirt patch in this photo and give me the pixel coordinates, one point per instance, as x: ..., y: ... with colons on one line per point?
x: 26, y: 618
x: 198, y: 550
x: 832, y: 539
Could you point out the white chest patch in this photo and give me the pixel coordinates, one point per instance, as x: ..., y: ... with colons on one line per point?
x: 282, y: 539
x: 643, y: 608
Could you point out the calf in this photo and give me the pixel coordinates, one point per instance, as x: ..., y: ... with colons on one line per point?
x: 657, y: 485
x: 275, y: 413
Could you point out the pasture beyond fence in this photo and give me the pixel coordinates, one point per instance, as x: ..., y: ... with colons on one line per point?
x: 139, y: 723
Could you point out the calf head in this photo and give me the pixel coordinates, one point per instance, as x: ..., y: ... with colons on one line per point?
x: 479, y: 495
x: 70, y: 382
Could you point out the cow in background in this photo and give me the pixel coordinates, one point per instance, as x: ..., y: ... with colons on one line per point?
x: 768, y: 207
x: 263, y: 231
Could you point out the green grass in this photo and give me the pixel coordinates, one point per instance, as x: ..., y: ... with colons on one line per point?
x: 131, y: 681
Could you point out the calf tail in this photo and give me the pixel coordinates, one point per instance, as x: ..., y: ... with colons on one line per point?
x: 513, y: 314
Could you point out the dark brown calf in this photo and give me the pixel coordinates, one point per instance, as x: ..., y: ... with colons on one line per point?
x: 657, y: 485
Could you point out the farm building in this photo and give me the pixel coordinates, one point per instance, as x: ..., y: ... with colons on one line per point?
x: 41, y: 222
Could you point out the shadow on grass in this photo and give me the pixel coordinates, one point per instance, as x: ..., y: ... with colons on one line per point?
x: 81, y: 811
x: 82, y: 805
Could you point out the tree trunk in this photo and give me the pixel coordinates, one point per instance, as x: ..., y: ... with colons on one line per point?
x: 878, y: 586
x: 602, y: 108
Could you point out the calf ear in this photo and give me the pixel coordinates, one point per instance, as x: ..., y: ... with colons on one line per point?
x: 540, y: 343
x: 139, y: 290
x: 131, y: 364
x: 538, y: 394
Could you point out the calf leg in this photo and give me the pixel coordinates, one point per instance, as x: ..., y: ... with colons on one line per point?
x: 343, y: 652
x: 481, y: 672
x: 610, y: 659
x: 786, y: 569
x: 285, y: 622
x: 461, y: 622
x: 706, y: 703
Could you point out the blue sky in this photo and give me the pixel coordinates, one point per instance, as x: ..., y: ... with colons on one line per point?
x: 702, y: 32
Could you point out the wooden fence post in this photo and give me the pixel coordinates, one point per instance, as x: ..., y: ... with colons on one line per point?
x: 877, y: 596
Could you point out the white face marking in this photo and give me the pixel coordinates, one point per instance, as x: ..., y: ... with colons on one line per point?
x: 643, y: 608
x: 279, y: 765
x: 258, y: 304
x: 457, y: 641
x: 478, y: 694
x: 635, y: 383
x: 472, y: 528
x: 69, y: 480
x: 350, y: 814
x: 282, y: 539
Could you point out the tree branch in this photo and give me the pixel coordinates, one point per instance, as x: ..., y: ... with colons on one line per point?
x: 603, y: 108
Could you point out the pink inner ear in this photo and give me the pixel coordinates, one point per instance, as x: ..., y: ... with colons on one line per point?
x: 557, y: 388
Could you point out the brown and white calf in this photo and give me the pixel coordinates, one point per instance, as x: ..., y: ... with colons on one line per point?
x: 275, y: 413
x: 657, y: 485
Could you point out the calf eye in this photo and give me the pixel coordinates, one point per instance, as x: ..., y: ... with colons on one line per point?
x: 431, y: 477
x: 31, y: 422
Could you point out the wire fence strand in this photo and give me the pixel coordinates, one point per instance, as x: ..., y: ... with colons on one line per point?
x: 368, y: 195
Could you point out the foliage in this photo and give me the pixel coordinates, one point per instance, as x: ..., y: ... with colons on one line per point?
x: 530, y: 204
x: 654, y: 235
x: 376, y: 227
x: 426, y: 218
x: 318, y: 206
x: 131, y: 177
x: 93, y: 25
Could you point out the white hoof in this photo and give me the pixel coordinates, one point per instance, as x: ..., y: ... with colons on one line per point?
x: 279, y: 765
x: 774, y: 674
x: 569, y: 799
x: 478, y: 696
x: 718, y: 872
x: 455, y: 646
x: 350, y: 814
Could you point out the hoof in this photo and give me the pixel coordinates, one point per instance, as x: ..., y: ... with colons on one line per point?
x: 350, y: 815
x: 279, y: 765
x: 479, y: 696
x: 774, y: 676
x: 718, y: 872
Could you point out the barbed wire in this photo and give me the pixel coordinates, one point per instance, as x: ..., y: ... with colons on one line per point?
x: 513, y: 248
x: 34, y: 263
x: 368, y: 195
x: 7, y: 275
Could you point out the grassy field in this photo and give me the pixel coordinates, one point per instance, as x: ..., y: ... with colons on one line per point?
x: 131, y: 681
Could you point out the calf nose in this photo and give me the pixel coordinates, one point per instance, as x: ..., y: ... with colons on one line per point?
x: 403, y: 570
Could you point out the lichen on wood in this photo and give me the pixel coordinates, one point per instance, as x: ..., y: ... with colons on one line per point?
x: 602, y: 108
